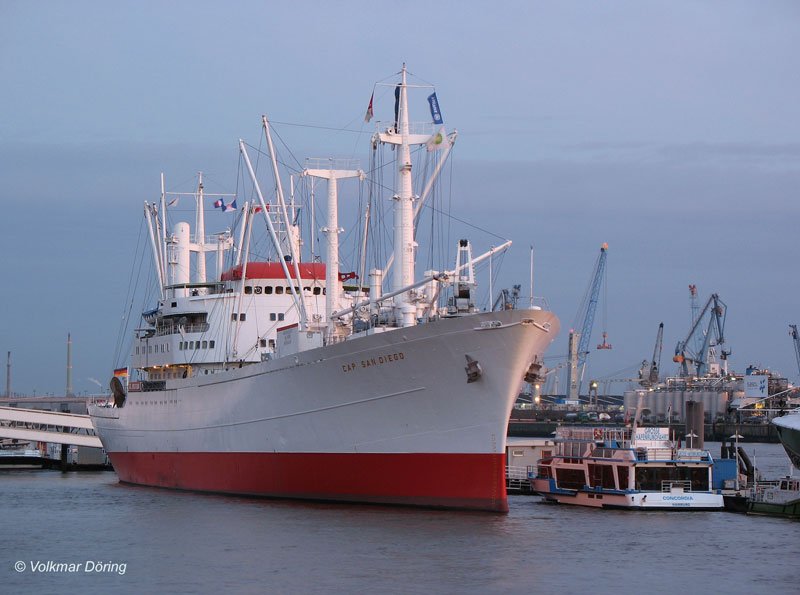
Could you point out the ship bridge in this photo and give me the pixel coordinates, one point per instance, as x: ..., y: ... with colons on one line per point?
x: 34, y: 425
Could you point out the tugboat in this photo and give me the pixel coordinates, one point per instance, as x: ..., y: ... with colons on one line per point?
x: 776, y: 498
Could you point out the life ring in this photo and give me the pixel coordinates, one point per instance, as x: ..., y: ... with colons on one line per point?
x: 598, y: 433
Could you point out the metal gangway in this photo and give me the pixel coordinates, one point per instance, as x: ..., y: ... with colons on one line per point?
x: 35, y: 425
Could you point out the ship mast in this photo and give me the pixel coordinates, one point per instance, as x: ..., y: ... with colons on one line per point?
x: 332, y: 231
x: 200, y: 232
x: 403, y: 273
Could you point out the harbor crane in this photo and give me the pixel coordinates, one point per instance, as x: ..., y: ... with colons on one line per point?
x: 696, y: 362
x: 579, y: 340
x: 796, y: 342
x: 648, y: 375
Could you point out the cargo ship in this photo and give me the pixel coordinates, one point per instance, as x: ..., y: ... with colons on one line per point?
x: 286, y: 377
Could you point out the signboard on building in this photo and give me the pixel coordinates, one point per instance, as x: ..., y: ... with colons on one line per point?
x: 756, y: 386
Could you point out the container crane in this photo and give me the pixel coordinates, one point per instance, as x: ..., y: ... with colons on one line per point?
x: 579, y: 340
x: 699, y: 359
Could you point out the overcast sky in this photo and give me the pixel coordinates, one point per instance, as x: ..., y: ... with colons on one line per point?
x: 669, y: 130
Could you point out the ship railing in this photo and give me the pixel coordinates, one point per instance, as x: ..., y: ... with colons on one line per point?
x: 659, y: 454
x: 589, y: 434
x: 516, y: 472
x: 173, y: 329
x: 763, y: 490
x: 669, y: 485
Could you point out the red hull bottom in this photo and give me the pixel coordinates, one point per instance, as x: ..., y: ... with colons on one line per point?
x: 464, y: 481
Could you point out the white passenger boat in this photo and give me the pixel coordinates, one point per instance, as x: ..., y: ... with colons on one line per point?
x: 636, y: 468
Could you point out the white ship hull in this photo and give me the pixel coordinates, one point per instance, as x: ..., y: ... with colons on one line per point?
x: 788, y: 427
x: 388, y: 418
x: 670, y: 500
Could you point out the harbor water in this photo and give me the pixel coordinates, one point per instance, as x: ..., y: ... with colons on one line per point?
x: 85, y: 532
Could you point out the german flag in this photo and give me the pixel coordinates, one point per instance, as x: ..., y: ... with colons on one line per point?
x: 121, y: 373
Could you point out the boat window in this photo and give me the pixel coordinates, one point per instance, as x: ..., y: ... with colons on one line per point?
x: 248, y: 290
x: 573, y: 449
x: 205, y: 344
x: 273, y: 316
x: 234, y: 316
x: 517, y: 453
x: 268, y: 289
x: 317, y: 290
x: 323, y: 291
x: 622, y: 475
x: 570, y: 479
x: 280, y: 316
x: 601, y: 476
x: 258, y: 289
x: 242, y: 316
x: 279, y: 290
x: 211, y: 344
x: 306, y: 289
x: 263, y: 342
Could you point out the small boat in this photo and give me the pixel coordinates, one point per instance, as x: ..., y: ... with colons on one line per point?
x: 776, y: 498
x: 635, y: 468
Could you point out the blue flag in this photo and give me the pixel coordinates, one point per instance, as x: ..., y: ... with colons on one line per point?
x: 436, y: 113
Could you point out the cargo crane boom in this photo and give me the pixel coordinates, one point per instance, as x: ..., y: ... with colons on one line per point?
x: 648, y: 375
x: 590, y: 306
x: 577, y: 353
x: 796, y: 342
